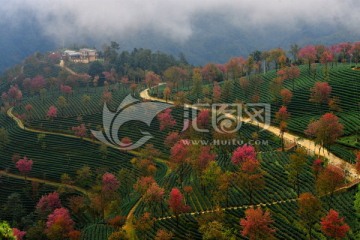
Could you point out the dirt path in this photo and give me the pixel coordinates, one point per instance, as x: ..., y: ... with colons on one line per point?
x: 62, y: 65
x: 310, y: 145
x: 21, y: 125
x: 47, y: 182
x: 343, y: 188
x: 231, y: 208
x: 129, y: 226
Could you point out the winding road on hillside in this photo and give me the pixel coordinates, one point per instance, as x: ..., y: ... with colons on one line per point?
x: 309, y: 145
x: 46, y: 182
x: 21, y: 125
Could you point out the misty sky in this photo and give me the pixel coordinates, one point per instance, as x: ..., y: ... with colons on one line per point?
x: 119, y: 19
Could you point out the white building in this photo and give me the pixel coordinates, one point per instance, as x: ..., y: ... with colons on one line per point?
x: 84, y: 55
x: 88, y: 54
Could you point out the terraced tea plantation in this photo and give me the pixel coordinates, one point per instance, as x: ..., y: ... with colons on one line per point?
x: 192, y: 178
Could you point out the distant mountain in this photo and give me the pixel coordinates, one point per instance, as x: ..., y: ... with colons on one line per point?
x: 213, y: 40
x: 18, y: 41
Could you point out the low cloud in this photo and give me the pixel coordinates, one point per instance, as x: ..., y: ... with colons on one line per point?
x: 67, y: 20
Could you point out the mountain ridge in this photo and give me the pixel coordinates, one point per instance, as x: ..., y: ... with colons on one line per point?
x: 212, y: 40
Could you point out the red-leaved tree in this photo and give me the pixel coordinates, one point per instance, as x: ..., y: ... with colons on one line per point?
x: 14, y: 94
x: 109, y: 187
x: 282, y: 116
x: 28, y: 109
x: 293, y: 72
x: 216, y: 93
x: 203, y: 118
x: 152, y: 79
x: 317, y: 166
x: 176, y: 203
x: 204, y: 157
x: 19, y: 235
x: 143, y: 184
x: 65, y: 89
x: 109, y: 183
x: 167, y: 93
x: 326, y: 130
x: 320, y: 93
x: 106, y: 97
x: 334, y: 226
x: 164, y: 235
x: 179, y: 158
x: 24, y: 166
x: 59, y: 224
x: 256, y: 224
x: 308, y: 54
x: 171, y: 139
x: 210, y: 72
x: 48, y: 203
x: 166, y: 120
x: 143, y: 224
x: 243, y: 153
x: 329, y: 180
x: 326, y: 58
x: 74, y: 235
x: 355, y: 51
x: 250, y: 177
x: 79, y: 131
x: 154, y: 196
x: 37, y: 83
x: 286, y: 96
x: 309, y: 211
x: 52, y: 112
x: 235, y: 67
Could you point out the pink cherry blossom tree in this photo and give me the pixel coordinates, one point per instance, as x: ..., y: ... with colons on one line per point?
x: 171, y: 139
x: 52, y: 112
x: 166, y: 120
x: 80, y: 131
x: 242, y: 154
x: 59, y: 224
x: 37, y: 83
x: 19, y: 235
x: 65, y: 89
x: 216, y: 92
x: 109, y: 183
x: 308, y: 54
x: 24, y: 166
x: 48, y: 203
